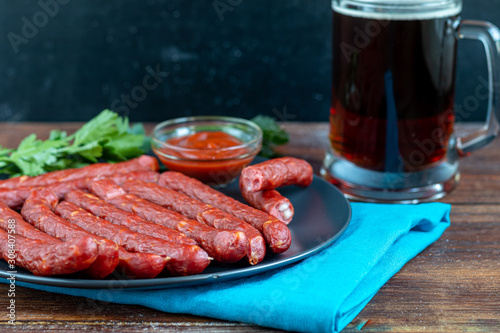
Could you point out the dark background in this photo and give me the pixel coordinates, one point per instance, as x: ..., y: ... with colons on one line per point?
x: 248, y: 57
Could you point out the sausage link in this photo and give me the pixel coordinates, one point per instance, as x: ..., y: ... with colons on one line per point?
x: 132, y: 265
x: 14, y: 182
x: 271, y: 202
x: 37, y: 210
x: 275, y: 232
x: 197, y: 210
x: 14, y: 198
x: 26, y: 230
x: 22, y: 228
x: 275, y: 173
x: 114, y: 215
x: 145, y: 176
x: 137, y: 265
x: 142, y: 163
x: 180, y: 259
x: 225, y: 246
x: 45, y: 259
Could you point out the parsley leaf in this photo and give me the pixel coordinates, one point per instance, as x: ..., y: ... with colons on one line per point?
x: 106, y: 137
x: 272, y: 135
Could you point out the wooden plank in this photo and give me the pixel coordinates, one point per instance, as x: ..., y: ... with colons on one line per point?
x: 38, y: 310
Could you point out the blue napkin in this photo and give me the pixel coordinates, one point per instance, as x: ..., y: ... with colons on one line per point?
x: 322, y: 293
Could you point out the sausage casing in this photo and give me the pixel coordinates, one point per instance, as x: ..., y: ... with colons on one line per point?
x: 37, y: 210
x: 275, y: 232
x: 183, y: 259
x: 275, y: 173
x: 197, y: 210
x: 138, y: 265
x: 142, y: 163
x: 14, y: 198
x: 82, y: 254
x: 45, y: 259
x: 271, y: 202
x: 226, y: 246
x: 118, y: 216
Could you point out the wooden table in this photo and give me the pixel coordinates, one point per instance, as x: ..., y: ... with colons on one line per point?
x: 452, y: 286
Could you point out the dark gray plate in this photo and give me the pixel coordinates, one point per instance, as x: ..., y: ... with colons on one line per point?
x: 321, y: 215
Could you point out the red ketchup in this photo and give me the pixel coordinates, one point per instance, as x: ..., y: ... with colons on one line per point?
x: 214, y: 158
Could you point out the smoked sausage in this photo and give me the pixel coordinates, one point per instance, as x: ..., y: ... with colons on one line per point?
x: 180, y: 259
x: 114, y: 215
x: 14, y: 198
x: 22, y: 228
x: 142, y: 163
x: 45, y: 259
x: 225, y: 246
x: 271, y: 202
x: 275, y: 173
x: 197, y: 210
x: 37, y: 210
x: 82, y: 254
x: 275, y: 232
x: 131, y: 265
x: 137, y: 265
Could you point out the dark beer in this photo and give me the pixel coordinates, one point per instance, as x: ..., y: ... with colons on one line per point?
x: 393, y: 91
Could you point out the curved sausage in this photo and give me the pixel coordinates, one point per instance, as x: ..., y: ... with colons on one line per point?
x: 82, y: 253
x: 42, y: 258
x: 131, y: 265
x: 225, y: 246
x: 271, y: 202
x: 14, y: 182
x: 22, y: 228
x: 137, y: 265
x: 114, y: 215
x: 275, y: 173
x: 142, y: 163
x: 275, y: 232
x: 37, y: 210
x: 180, y: 259
x: 197, y: 210
x: 14, y: 198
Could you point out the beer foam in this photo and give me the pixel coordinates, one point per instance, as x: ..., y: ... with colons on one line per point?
x: 401, y: 10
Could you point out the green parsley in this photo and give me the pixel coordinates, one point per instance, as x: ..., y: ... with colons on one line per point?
x: 272, y: 135
x: 106, y: 137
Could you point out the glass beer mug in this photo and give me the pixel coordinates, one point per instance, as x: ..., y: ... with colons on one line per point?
x: 392, y: 111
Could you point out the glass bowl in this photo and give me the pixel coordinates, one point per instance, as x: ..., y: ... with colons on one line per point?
x: 196, y: 147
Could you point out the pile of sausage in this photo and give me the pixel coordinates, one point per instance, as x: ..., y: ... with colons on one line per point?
x: 127, y: 217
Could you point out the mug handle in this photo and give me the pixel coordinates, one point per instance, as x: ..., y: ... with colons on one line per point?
x: 489, y: 35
